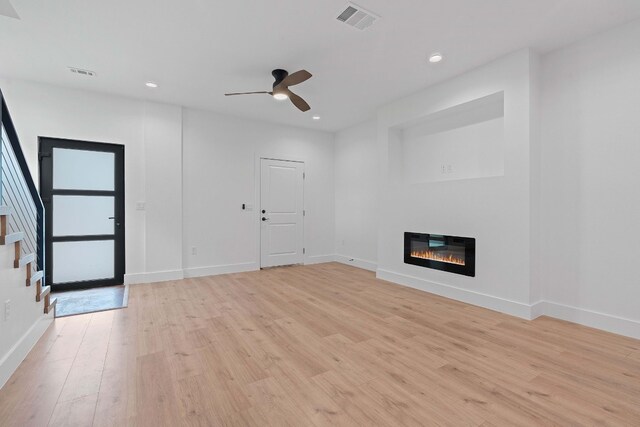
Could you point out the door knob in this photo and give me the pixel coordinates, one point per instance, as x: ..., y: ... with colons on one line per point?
x: 264, y: 218
x: 263, y: 211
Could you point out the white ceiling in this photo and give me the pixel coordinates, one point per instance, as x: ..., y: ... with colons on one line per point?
x: 198, y: 49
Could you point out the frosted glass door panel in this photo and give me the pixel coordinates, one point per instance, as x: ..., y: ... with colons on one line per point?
x: 83, y: 170
x: 80, y: 261
x: 83, y: 215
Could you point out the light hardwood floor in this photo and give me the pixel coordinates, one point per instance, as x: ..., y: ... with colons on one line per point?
x: 318, y: 345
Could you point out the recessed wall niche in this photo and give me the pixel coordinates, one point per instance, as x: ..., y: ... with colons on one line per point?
x: 465, y: 141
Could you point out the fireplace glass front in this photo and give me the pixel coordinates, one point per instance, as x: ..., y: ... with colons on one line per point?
x: 447, y: 253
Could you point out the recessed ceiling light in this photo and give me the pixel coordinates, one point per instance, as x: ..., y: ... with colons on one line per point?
x: 280, y: 96
x: 316, y: 117
x: 151, y: 84
x: 435, y: 57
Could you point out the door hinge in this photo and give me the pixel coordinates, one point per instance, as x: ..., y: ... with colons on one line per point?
x: 43, y: 155
x: 304, y: 175
x: 304, y: 212
x: 304, y: 251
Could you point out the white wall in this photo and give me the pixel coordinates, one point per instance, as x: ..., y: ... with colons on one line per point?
x: 535, y: 147
x: 467, y: 152
x: 495, y: 211
x: 220, y: 174
x: 590, y: 217
x: 356, y: 195
x: 151, y: 134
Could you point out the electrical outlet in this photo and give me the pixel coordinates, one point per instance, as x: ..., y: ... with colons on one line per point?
x: 194, y: 250
x: 140, y: 206
x: 449, y: 169
x: 443, y: 169
x: 7, y: 309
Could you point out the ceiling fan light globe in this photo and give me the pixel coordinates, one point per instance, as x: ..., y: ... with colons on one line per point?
x: 280, y: 96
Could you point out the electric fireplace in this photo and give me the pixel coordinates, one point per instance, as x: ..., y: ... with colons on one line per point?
x: 447, y: 253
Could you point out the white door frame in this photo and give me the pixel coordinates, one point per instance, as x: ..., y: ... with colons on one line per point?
x: 258, y: 191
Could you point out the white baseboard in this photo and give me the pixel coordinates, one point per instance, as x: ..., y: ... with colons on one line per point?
x: 594, y: 319
x: 215, y: 270
x: 606, y: 322
x: 153, y: 277
x: 502, y: 305
x: 356, y: 262
x: 318, y: 259
x: 537, y: 309
x: 19, y: 351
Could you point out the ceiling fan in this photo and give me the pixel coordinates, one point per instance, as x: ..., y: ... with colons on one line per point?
x: 281, y: 87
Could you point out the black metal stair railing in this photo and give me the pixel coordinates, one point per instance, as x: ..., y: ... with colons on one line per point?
x: 18, y: 190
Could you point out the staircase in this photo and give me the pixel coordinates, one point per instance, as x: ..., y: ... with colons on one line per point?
x: 26, y: 306
x: 26, y: 261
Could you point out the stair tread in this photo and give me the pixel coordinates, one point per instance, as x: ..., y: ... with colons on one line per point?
x: 36, y: 276
x: 25, y: 260
x: 43, y: 293
x: 11, y: 238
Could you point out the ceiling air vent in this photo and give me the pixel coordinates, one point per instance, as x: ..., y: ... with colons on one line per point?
x: 82, y: 72
x: 357, y: 16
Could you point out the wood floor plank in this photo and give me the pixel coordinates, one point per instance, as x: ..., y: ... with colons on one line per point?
x: 74, y: 413
x: 314, y: 346
x: 31, y: 395
x: 156, y: 402
x: 86, y: 372
x: 116, y: 404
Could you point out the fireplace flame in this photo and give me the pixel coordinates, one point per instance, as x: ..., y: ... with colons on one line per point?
x: 435, y: 256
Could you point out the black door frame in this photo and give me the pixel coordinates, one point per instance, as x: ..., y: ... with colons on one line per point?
x: 45, y: 151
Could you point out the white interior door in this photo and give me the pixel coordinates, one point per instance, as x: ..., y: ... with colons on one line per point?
x: 281, y: 213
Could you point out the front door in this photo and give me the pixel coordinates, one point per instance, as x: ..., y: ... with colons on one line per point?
x: 281, y: 213
x: 82, y: 187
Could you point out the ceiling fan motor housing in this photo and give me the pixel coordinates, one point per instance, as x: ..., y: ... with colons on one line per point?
x: 279, y: 75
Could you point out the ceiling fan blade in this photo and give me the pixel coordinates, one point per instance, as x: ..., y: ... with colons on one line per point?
x: 296, y: 78
x: 298, y: 101
x: 248, y: 93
